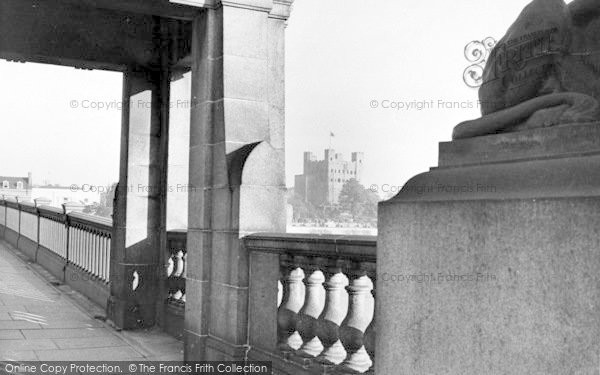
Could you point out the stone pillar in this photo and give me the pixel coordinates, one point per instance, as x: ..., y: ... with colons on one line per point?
x: 236, y: 166
x: 503, y: 237
x: 140, y: 205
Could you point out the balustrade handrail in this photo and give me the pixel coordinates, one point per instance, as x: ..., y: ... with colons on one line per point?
x: 51, y: 212
x: 359, y: 248
x: 28, y: 207
x: 79, y: 239
x: 12, y: 203
x: 90, y: 221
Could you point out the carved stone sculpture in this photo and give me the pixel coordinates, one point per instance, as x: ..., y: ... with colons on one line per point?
x: 544, y: 72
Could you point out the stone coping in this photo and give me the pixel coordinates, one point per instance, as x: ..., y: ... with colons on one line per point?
x: 363, y: 248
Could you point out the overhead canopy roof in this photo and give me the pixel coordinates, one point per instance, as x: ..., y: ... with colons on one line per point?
x: 100, y: 34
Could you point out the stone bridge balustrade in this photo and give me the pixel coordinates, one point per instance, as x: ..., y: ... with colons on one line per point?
x: 175, y: 268
x: 324, y: 321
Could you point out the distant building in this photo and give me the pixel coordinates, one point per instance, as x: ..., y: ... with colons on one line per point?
x: 16, y: 187
x: 322, y: 180
x: 57, y: 195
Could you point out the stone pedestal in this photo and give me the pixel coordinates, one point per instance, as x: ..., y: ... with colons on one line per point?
x: 489, y: 263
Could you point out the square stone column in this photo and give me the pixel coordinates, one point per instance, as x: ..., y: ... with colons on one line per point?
x: 140, y: 201
x: 237, y: 166
x: 489, y: 263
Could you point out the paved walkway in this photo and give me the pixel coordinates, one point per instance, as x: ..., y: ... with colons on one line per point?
x: 43, y: 320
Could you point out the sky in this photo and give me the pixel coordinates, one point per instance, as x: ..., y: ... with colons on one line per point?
x: 345, y: 61
x: 49, y: 127
x: 343, y: 54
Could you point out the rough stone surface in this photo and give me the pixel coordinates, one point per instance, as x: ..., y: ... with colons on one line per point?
x: 528, y: 305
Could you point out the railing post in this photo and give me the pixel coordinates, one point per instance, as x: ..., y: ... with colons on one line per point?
x: 5, y: 217
x: 19, y: 225
x: 37, y: 213
x: 67, y: 241
x: 334, y: 313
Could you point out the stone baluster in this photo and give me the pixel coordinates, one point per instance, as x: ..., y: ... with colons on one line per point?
x: 279, y: 293
x: 370, y: 333
x: 370, y: 337
x: 293, y: 300
x: 336, y: 309
x: 184, y: 265
x: 178, y: 263
x: 177, y: 272
x: 312, y: 309
x: 170, y: 265
x: 360, y: 314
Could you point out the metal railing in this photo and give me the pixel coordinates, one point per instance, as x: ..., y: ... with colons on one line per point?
x: 89, y: 244
x: 81, y: 240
